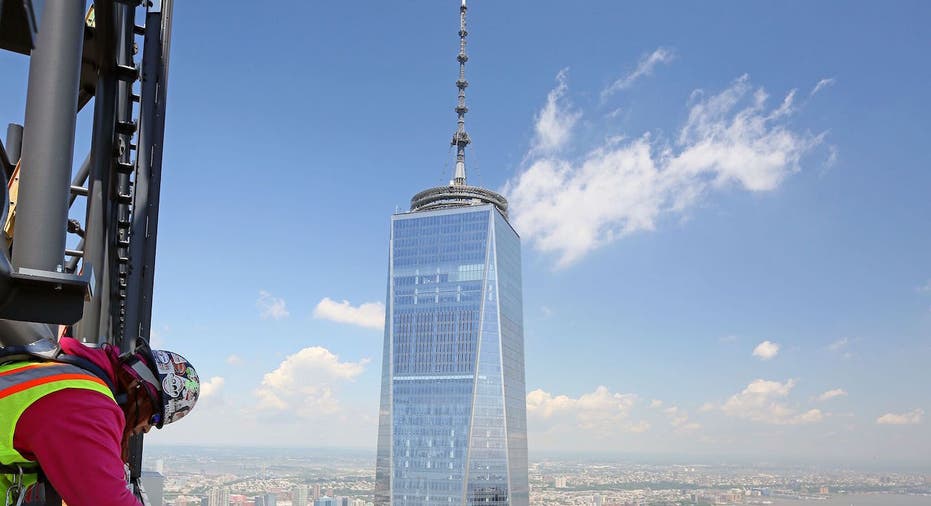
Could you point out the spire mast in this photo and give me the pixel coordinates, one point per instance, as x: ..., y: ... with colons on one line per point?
x: 461, y: 138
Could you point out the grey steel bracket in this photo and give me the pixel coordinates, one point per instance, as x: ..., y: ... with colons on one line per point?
x: 18, y: 25
x: 42, y: 296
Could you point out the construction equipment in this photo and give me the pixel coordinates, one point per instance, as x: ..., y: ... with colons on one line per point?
x: 102, y: 287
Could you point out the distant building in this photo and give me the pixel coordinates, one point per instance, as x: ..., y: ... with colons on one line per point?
x: 154, y: 485
x: 325, y: 501
x: 316, y: 491
x: 452, y: 425
x: 266, y: 500
x: 299, y: 496
x: 219, y: 496
x: 561, y: 482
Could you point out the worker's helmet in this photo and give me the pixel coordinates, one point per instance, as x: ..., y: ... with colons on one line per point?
x: 170, y: 380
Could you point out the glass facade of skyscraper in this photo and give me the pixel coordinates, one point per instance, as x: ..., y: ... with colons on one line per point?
x: 452, y: 422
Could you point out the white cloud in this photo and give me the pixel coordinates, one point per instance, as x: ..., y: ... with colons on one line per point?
x: 766, y: 350
x: 211, y: 388
x: 271, y: 306
x: 233, y: 360
x: 839, y: 345
x: 911, y: 418
x: 926, y: 287
x: 656, y: 403
x: 763, y: 401
x: 831, y: 161
x: 831, y: 394
x: 305, y: 383
x: 679, y: 419
x: 369, y: 315
x: 555, y: 121
x: 706, y: 407
x: 571, y: 207
x: 644, y: 68
x: 822, y: 84
x: 601, y: 411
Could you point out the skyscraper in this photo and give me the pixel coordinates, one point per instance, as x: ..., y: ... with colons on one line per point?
x: 299, y: 495
x: 452, y: 420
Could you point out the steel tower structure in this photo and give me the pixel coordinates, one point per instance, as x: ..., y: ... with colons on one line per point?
x: 102, y: 285
x: 452, y: 419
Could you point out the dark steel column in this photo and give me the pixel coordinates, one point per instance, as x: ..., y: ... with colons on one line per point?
x: 94, y: 325
x: 48, y: 139
x: 142, y: 248
x: 125, y: 23
x: 148, y: 169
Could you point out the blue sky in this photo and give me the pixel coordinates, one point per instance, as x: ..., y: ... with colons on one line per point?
x: 724, y: 212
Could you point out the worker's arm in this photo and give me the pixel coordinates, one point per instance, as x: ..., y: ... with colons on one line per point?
x: 75, y: 436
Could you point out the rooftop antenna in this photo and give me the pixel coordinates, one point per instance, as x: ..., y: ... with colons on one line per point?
x: 461, y: 138
x: 458, y: 193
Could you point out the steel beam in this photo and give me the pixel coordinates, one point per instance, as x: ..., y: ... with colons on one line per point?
x: 155, y: 62
x: 142, y: 248
x: 48, y: 138
x: 94, y: 325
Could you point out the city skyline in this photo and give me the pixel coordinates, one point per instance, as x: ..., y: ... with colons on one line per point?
x: 723, y: 211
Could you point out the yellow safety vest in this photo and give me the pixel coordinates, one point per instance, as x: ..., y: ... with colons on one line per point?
x: 21, y: 384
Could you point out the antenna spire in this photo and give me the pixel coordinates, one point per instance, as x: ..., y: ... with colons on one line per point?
x: 461, y: 138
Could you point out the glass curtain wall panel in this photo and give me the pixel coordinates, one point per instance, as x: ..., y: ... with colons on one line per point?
x: 452, y: 419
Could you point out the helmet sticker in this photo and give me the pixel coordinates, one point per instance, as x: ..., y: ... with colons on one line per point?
x: 172, y: 386
x: 161, y: 357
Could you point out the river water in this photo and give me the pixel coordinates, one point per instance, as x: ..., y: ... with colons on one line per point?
x: 860, y: 500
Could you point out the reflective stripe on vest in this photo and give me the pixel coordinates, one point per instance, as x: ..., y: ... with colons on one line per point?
x: 23, y: 383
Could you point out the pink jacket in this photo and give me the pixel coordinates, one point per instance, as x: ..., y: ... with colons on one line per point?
x: 75, y: 436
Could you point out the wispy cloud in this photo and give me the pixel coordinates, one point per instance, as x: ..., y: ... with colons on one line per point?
x: 601, y: 412
x: 555, y: 121
x: 822, y: 84
x: 839, y: 345
x: 234, y: 360
x: 707, y: 407
x: 913, y: 417
x: 211, y: 387
x: 732, y: 139
x: 271, y: 306
x: 370, y: 314
x: 831, y: 394
x: 305, y: 383
x: 644, y: 68
x: 766, y: 350
x: 679, y: 419
x: 925, y: 287
x: 764, y: 401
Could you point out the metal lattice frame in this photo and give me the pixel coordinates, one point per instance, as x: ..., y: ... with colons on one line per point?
x: 105, y: 287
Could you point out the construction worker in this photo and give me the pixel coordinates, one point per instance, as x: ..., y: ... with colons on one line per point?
x: 72, y: 423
